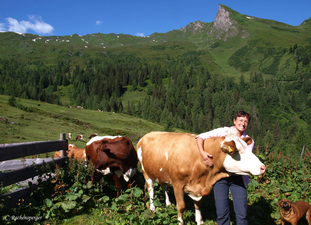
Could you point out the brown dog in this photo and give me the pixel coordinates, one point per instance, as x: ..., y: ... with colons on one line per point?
x: 292, y: 212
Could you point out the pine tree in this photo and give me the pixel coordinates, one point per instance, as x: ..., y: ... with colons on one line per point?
x: 128, y: 109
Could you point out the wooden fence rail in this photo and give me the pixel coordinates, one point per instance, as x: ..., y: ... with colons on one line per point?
x: 32, y: 168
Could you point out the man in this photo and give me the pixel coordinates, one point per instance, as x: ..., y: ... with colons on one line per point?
x: 237, y: 183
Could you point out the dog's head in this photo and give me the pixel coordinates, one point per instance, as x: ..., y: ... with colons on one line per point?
x: 285, y: 204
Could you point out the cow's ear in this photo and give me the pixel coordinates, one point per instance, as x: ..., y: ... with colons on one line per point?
x: 229, y: 147
x: 248, y: 140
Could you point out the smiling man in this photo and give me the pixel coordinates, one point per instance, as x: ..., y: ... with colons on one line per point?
x: 237, y: 183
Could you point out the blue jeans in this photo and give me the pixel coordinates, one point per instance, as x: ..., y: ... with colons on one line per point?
x: 239, y: 195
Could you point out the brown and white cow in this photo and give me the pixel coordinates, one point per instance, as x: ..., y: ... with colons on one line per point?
x: 115, y: 155
x: 80, y: 137
x: 174, y: 158
x: 73, y: 152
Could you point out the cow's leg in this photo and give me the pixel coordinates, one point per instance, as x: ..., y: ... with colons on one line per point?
x: 181, y: 206
x: 198, y: 215
x: 150, y: 187
x: 164, y: 191
x: 117, y: 182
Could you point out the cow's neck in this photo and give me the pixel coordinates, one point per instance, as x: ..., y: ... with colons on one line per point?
x: 211, y: 180
x: 203, y: 185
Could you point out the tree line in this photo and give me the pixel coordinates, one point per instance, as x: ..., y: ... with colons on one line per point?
x: 178, y: 92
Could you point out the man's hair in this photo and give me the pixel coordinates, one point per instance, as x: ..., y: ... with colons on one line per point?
x: 242, y: 113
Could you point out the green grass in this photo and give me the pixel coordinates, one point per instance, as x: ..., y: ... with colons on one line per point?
x: 47, y: 121
x: 133, y: 96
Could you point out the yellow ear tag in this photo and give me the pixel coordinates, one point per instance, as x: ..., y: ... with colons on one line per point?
x: 230, y: 149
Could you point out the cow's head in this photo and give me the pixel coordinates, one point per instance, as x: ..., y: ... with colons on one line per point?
x: 239, y: 160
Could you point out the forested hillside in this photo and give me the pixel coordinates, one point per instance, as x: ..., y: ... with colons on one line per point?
x: 194, y: 78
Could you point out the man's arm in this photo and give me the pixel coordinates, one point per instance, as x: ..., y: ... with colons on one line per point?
x: 205, y: 155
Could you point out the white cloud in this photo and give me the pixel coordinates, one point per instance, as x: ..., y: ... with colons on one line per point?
x: 2, y: 27
x: 15, y: 26
x: 98, y: 22
x: 140, y: 35
x: 36, y: 24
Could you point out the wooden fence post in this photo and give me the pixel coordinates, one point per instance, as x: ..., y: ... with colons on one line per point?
x: 63, y: 137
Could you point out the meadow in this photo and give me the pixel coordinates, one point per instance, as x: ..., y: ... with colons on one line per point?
x: 40, y: 121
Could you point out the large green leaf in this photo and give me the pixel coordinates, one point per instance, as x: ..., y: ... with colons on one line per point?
x: 48, y: 202
x: 85, y: 198
x: 67, y: 205
x: 147, y: 214
x: 104, y: 199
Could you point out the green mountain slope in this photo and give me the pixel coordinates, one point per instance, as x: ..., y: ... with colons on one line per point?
x: 225, y: 39
x: 38, y: 121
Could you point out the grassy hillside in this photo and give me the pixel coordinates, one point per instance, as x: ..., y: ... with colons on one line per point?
x: 46, y: 121
x: 258, y: 46
x: 254, y: 32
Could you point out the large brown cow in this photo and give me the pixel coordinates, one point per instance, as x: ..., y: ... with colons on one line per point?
x: 113, y: 154
x: 174, y: 158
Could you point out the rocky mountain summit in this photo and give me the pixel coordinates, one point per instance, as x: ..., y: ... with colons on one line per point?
x: 225, y: 26
x: 196, y: 26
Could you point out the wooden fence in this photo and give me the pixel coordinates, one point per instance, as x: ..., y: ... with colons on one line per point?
x: 27, y: 169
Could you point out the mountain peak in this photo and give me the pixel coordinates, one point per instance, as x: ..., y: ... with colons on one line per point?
x: 196, y: 26
x: 306, y: 22
x: 225, y: 26
x: 223, y: 20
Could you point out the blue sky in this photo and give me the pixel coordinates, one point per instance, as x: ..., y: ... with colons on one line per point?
x: 136, y: 17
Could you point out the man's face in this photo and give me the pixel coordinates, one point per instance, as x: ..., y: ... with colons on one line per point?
x: 241, y: 124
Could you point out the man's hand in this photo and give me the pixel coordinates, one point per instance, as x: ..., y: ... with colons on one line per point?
x: 207, y: 158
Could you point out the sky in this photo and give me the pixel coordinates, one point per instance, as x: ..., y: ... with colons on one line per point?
x: 136, y: 17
